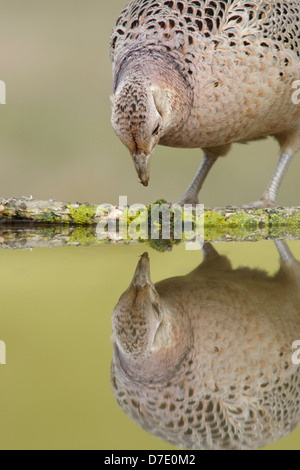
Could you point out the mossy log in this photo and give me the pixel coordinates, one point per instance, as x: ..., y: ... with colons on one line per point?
x: 27, y: 223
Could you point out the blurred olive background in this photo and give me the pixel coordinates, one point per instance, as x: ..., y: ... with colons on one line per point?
x: 55, y: 319
x: 56, y: 138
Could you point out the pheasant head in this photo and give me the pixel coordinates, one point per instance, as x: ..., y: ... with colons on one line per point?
x: 150, y: 102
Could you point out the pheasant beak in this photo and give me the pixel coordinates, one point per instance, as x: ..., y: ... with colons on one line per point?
x: 142, y: 166
x: 142, y: 274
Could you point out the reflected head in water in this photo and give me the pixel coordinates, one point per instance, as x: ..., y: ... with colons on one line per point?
x: 204, y: 361
x: 144, y: 332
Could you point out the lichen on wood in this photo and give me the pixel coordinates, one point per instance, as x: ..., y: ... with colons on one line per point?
x: 27, y: 223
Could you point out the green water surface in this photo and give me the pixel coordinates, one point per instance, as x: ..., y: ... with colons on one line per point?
x: 55, y: 319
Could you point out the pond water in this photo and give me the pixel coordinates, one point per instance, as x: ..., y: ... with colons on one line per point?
x: 228, y: 379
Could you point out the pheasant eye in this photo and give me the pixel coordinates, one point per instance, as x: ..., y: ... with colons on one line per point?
x: 156, y: 309
x: 156, y: 130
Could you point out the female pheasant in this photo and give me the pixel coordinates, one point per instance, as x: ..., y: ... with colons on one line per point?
x: 207, y: 73
x: 205, y: 361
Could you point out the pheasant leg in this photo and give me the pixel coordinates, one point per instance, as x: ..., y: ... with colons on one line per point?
x: 269, y: 196
x: 285, y: 253
x: 191, y: 194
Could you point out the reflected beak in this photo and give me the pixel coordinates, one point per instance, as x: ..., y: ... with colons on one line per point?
x: 142, y: 276
x: 142, y: 166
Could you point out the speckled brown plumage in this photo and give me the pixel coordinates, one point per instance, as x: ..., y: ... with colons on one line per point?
x: 204, y: 361
x: 206, y: 74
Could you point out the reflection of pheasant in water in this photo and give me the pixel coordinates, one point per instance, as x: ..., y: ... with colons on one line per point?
x: 205, y: 360
x: 206, y: 74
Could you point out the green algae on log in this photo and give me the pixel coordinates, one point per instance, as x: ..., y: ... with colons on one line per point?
x: 51, y: 223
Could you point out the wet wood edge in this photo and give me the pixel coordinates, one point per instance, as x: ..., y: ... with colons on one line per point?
x: 26, y: 223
